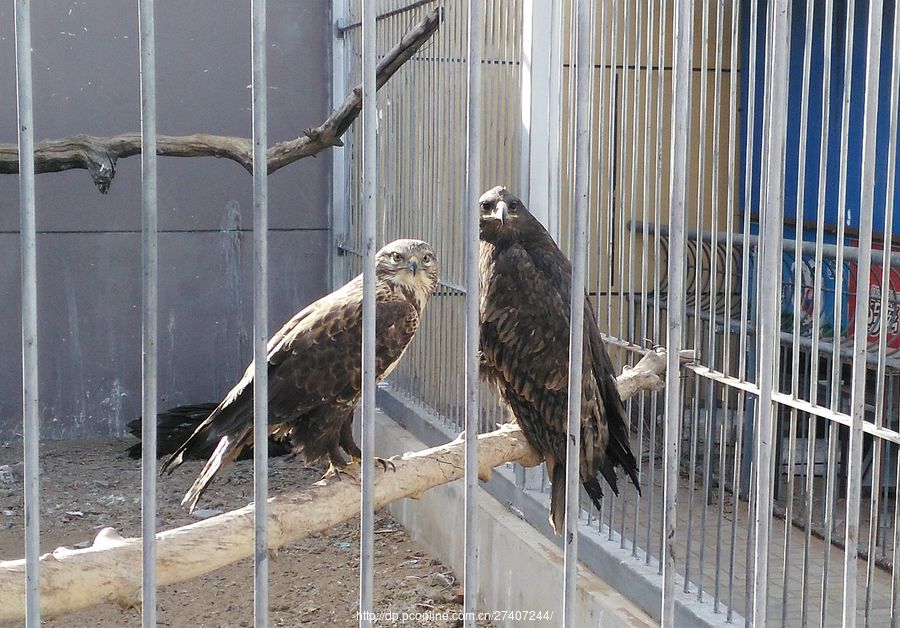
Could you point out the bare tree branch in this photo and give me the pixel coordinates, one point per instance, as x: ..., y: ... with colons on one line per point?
x: 99, y: 155
x: 110, y: 570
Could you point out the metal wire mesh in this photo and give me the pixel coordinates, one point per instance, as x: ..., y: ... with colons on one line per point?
x: 421, y: 144
x: 815, y: 286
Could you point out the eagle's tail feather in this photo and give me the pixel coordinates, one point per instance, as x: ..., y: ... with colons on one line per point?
x: 619, y: 447
x: 594, y: 491
x: 227, y: 450
x: 558, y: 498
x: 173, y: 427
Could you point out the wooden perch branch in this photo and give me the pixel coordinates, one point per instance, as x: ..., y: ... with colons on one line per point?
x: 98, y: 155
x: 110, y: 570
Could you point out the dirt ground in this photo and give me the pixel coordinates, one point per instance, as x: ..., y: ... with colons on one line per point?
x: 88, y: 485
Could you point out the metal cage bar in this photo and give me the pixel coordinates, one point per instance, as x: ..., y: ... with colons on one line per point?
x: 774, y: 149
x: 860, y: 337
x: 472, y: 328
x: 681, y: 88
x: 149, y: 309
x: 259, y: 87
x: 370, y: 207
x: 583, y: 114
x: 30, y: 408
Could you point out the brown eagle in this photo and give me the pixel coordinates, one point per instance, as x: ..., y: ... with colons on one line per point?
x: 524, y: 315
x: 315, y: 367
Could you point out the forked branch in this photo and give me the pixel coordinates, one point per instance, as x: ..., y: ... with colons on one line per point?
x: 99, y: 155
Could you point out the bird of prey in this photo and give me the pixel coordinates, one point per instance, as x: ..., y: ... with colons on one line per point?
x: 174, y: 425
x: 315, y: 366
x: 524, y: 316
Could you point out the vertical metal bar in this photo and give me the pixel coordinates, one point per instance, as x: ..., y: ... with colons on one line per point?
x: 340, y: 188
x: 698, y: 296
x: 645, y: 261
x: 895, y: 567
x: 735, y: 487
x: 623, y: 201
x: 860, y: 332
x: 554, y: 143
x: 808, y: 508
x: 657, y: 263
x: 874, y: 506
x: 843, y: 173
x: 149, y: 273
x: 472, y: 403
x: 820, y: 199
x: 30, y: 417
x: 459, y: 168
x: 721, y: 486
x: 584, y: 68
x: 809, y: 16
x: 627, y: 297
x: 568, y: 195
x: 608, y: 238
x: 748, y: 196
x: 692, y: 471
x: 831, y: 473
x: 732, y: 194
x: 788, y: 517
x: 890, y: 187
x: 681, y: 114
x: 260, y: 316
x: 370, y: 207
x: 530, y: 108
x: 713, y: 268
x: 769, y: 332
x: 881, y: 374
x: 746, y: 353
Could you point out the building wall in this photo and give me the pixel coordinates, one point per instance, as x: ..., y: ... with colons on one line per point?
x: 89, y: 288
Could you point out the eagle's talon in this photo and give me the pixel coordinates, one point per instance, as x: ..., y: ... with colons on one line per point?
x: 336, y: 472
x: 385, y: 463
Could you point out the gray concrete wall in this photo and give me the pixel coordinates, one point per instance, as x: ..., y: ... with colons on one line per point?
x: 86, y: 81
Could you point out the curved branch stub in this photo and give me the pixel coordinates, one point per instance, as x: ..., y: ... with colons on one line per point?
x: 102, y: 172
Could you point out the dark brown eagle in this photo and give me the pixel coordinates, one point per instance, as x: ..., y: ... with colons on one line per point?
x: 315, y: 365
x: 524, y: 314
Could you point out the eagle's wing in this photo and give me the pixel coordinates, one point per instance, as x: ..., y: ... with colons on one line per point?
x: 322, y: 356
x: 529, y: 320
x: 314, y: 363
x: 525, y: 325
x: 314, y: 329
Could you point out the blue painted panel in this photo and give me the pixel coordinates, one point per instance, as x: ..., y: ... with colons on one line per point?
x: 808, y: 179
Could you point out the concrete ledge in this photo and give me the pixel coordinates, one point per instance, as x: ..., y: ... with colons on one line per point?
x: 636, y: 576
x: 520, y: 569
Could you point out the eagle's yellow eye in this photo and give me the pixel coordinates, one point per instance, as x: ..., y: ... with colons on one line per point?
x: 485, y: 206
x: 427, y: 258
x: 396, y: 257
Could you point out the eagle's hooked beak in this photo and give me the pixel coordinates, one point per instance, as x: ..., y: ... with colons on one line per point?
x: 501, y: 212
x: 413, y: 265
